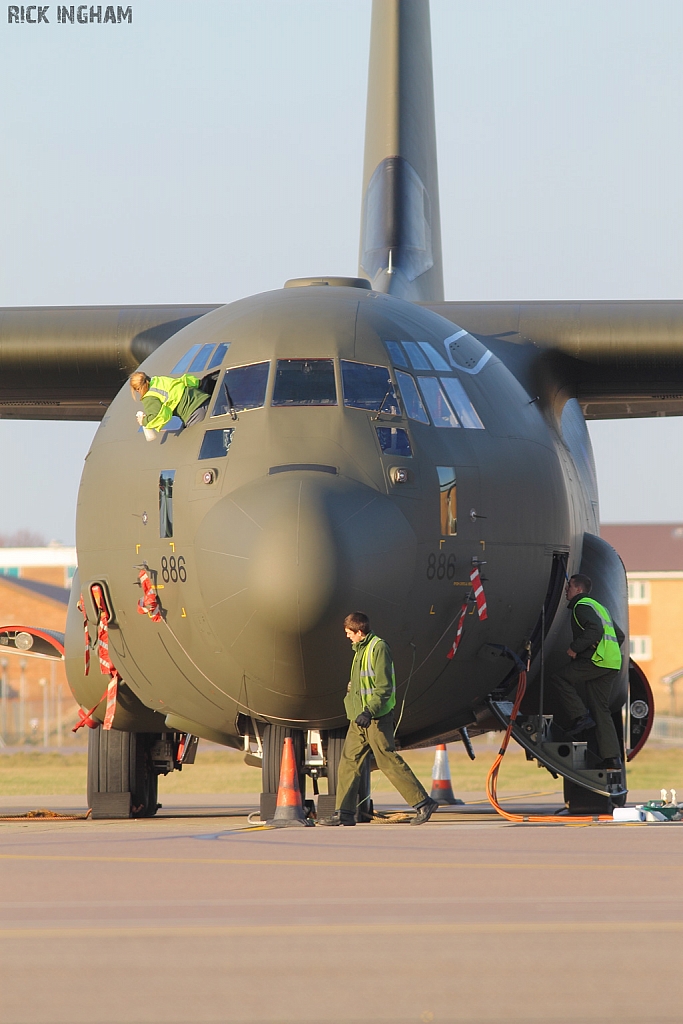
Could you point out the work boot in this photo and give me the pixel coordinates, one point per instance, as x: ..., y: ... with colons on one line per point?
x: 424, y: 811
x: 612, y: 764
x: 580, y: 725
x: 339, y: 818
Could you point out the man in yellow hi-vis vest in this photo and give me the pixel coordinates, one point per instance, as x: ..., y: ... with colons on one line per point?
x: 369, y: 702
x: 165, y: 397
x: 584, y: 687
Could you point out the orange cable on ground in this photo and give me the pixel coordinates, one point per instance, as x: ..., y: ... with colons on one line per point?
x: 492, y: 778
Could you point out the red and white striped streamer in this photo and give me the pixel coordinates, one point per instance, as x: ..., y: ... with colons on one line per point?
x: 479, y: 595
x: 458, y: 632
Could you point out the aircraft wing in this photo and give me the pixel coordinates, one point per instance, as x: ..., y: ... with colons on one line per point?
x: 620, y: 359
x: 68, y: 362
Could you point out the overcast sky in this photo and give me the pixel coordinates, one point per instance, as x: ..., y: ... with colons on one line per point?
x: 212, y: 150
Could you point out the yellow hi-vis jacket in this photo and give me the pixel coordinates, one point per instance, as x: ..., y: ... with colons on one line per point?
x: 169, y: 391
x: 372, y: 686
x: 607, y: 654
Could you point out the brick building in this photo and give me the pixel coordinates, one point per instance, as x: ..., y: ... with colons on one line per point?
x: 35, y: 700
x: 653, y: 556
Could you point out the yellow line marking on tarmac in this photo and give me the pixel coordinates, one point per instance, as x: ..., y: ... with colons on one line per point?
x: 388, y: 928
x: 272, y: 862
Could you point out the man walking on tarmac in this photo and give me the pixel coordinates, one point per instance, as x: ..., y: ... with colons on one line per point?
x: 369, y: 702
x: 584, y: 687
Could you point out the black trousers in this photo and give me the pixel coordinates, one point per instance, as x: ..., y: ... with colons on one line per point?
x: 583, y: 686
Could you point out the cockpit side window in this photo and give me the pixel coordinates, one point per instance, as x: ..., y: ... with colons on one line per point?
x: 437, y: 403
x: 195, y: 359
x: 199, y: 361
x: 394, y: 441
x: 459, y: 399
x: 166, y: 478
x: 219, y: 355
x: 304, y: 382
x: 448, y: 505
x: 396, y: 353
x: 415, y: 410
x: 182, y: 364
x: 434, y: 357
x: 242, y: 387
x: 368, y: 387
x: 417, y: 356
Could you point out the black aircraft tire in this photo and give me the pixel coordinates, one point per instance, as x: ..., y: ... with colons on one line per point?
x: 118, y: 762
x: 335, y: 744
x: 273, y: 740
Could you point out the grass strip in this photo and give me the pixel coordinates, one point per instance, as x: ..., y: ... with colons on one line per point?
x: 224, y: 771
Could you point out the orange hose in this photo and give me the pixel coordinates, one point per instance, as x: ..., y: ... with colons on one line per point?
x: 492, y: 778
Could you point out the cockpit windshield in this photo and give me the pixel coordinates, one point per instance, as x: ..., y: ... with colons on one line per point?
x: 243, y: 387
x: 304, y: 382
x: 368, y: 387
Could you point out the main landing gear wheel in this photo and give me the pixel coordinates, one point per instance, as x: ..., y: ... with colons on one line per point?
x: 122, y: 782
x: 273, y: 739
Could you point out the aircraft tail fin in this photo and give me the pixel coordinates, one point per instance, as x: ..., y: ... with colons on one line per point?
x: 400, y: 247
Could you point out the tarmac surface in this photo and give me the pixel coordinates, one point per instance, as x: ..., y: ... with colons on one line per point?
x: 189, y: 917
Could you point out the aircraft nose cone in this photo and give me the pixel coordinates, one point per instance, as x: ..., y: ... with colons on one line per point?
x: 293, y: 568
x: 294, y: 551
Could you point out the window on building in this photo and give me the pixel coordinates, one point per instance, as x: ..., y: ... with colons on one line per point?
x: 639, y: 592
x: 304, y: 382
x: 640, y: 648
x: 368, y: 387
x: 242, y: 387
x: 11, y: 570
x: 437, y: 403
x: 415, y: 410
x: 166, y: 502
x: 449, y: 509
x: 467, y: 414
x: 394, y: 441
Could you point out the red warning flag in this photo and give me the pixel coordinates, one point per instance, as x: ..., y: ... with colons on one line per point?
x: 479, y: 593
x: 458, y: 633
x: 106, y: 665
x: 81, y: 608
x: 112, y: 691
x: 149, y: 602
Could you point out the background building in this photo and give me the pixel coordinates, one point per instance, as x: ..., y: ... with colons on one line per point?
x: 36, y: 706
x: 653, y: 556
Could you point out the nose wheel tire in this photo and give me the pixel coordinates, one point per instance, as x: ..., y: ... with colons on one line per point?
x: 122, y: 782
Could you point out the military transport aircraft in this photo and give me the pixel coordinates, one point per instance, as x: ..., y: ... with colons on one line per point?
x: 367, y: 445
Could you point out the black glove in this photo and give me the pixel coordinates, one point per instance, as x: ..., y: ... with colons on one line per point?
x: 364, y: 719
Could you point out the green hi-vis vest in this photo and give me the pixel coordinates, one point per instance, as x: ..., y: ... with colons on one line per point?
x: 169, y: 391
x: 607, y: 653
x: 367, y: 680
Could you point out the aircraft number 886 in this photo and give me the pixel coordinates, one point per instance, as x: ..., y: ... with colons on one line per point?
x: 440, y: 567
x: 173, y: 569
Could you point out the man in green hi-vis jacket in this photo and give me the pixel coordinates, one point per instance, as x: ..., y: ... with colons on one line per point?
x: 583, y: 688
x: 369, y: 702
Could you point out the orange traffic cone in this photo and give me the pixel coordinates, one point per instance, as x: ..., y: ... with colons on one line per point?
x: 289, y: 809
x: 442, y: 790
